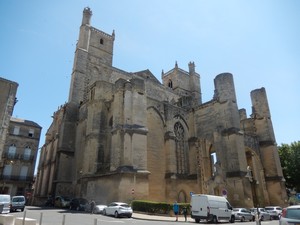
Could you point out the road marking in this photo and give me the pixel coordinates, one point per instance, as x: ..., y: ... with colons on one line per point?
x: 106, y: 221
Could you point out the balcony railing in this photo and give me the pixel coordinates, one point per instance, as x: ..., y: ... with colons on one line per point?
x: 18, y: 157
x: 15, y: 178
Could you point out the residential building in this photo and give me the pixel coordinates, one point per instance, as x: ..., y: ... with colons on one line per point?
x: 19, y: 157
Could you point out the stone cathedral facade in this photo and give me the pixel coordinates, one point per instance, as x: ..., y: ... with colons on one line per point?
x: 125, y: 135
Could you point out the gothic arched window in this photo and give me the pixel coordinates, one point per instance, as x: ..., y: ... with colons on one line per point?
x: 181, y: 148
x: 170, y: 84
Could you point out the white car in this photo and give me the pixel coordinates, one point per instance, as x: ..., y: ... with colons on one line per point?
x: 290, y: 215
x: 99, y: 209
x: 118, y: 209
x: 275, y: 211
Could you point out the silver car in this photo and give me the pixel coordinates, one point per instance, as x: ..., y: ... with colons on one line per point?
x: 275, y: 211
x: 290, y: 215
x: 17, y: 202
x: 263, y: 214
x: 99, y: 209
x: 118, y: 209
x: 243, y: 214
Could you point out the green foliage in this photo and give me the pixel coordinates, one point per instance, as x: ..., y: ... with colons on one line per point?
x: 155, y: 207
x: 290, y: 162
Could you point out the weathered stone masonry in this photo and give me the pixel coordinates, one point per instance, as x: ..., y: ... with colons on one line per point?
x: 124, y: 135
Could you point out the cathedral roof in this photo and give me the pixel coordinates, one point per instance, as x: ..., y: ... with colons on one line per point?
x: 146, y: 74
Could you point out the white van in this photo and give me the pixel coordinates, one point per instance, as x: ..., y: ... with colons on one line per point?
x: 5, y: 203
x: 17, y: 202
x: 210, y: 208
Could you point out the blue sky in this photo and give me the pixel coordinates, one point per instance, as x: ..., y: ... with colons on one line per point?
x: 257, y: 41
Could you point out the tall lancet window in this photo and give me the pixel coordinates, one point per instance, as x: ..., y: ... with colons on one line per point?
x: 181, y: 153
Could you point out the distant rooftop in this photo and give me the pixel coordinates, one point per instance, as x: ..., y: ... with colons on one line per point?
x: 26, y: 122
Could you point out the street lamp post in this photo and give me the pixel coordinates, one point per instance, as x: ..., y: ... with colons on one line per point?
x: 253, y: 182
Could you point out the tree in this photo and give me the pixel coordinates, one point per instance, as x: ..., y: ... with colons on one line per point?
x: 290, y: 162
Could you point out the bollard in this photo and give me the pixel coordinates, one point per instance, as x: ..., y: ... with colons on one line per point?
x: 24, y: 216
x: 64, y: 218
x: 41, y: 218
x: 95, y: 221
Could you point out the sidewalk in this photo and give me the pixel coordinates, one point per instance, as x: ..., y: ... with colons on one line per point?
x: 141, y: 216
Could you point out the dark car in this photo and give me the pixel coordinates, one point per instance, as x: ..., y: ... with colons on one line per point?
x: 62, y: 202
x: 79, y: 204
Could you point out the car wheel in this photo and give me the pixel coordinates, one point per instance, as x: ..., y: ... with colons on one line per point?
x: 243, y: 219
x: 197, y: 220
x: 262, y: 218
x: 104, y: 212
x: 215, y: 220
x: 77, y: 208
x: 116, y: 214
x: 253, y: 218
x: 232, y: 219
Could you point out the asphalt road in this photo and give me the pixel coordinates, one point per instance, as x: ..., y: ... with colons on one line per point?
x: 52, y: 216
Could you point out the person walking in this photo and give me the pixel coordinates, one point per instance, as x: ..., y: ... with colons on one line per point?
x: 92, y: 206
x: 176, y: 210
x: 184, y: 211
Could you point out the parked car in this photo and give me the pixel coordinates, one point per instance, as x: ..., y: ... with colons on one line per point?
x: 263, y: 214
x: 79, y: 204
x: 17, y: 202
x: 118, y: 209
x: 290, y: 215
x: 275, y: 211
x: 5, y: 202
x: 49, y: 201
x: 62, y: 202
x: 99, y: 208
x: 243, y: 214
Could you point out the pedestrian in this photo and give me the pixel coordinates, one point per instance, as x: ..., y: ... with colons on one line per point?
x: 176, y: 210
x: 184, y: 211
x: 92, y: 206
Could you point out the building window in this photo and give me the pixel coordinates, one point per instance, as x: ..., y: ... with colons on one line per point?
x: 170, y: 84
x: 101, y: 41
x: 27, y: 152
x: 23, y: 173
x: 181, y: 148
x: 31, y: 133
x: 7, y: 171
x: 16, y: 130
x: 11, y: 151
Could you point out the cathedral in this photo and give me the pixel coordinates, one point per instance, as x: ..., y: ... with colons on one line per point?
x: 125, y: 135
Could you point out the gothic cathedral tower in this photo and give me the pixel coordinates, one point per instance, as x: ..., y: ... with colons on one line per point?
x: 93, y: 58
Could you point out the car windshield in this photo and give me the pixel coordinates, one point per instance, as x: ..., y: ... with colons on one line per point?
x: 18, y: 199
x: 83, y: 201
x: 4, y: 198
x: 293, y: 213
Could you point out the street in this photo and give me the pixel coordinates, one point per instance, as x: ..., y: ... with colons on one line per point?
x: 53, y: 216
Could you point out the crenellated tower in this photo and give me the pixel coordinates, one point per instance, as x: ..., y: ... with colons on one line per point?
x: 93, y: 58
x: 186, y: 84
